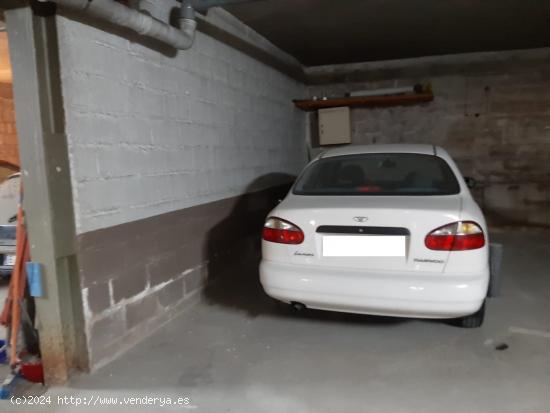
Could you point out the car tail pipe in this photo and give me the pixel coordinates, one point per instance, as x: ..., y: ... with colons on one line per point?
x: 296, y: 306
x: 111, y: 11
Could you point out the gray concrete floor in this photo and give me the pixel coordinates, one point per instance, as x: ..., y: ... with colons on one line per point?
x: 236, y: 351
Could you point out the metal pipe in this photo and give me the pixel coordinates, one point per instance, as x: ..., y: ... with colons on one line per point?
x: 111, y: 11
x: 187, y: 11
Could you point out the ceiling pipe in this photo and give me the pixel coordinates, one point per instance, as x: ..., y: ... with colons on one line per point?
x: 116, y: 13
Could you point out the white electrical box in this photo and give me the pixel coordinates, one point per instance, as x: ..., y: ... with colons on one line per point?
x: 334, y: 126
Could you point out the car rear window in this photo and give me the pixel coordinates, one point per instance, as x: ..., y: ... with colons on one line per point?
x: 378, y: 174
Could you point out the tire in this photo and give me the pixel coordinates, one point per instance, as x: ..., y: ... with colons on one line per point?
x: 473, y: 320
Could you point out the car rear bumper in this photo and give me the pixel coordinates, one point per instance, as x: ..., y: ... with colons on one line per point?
x: 401, y: 294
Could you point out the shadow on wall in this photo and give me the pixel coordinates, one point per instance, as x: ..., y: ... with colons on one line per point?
x: 233, y: 246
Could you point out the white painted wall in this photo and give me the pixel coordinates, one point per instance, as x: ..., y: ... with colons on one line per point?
x: 150, y: 134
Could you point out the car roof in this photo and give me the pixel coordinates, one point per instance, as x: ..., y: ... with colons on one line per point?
x: 383, y: 148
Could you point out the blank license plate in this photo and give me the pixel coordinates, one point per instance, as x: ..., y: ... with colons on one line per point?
x: 363, y: 246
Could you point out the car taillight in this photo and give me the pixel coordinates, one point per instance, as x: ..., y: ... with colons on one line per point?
x: 458, y: 236
x: 281, y: 231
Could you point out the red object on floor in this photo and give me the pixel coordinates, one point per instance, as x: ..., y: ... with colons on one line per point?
x: 33, y: 371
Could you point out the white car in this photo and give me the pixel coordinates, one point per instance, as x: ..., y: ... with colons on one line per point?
x: 381, y: 229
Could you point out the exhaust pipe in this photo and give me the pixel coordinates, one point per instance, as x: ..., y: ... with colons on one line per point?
x: 296, y: 306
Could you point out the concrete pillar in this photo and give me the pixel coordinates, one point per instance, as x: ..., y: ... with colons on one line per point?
x: 46, y: 179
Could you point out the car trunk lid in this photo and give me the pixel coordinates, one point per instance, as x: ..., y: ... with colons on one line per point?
x: 393, y: 223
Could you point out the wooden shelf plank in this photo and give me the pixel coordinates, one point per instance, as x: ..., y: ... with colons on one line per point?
x: 387, y: 100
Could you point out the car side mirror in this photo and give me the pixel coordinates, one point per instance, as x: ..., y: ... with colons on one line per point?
x: 470, y: 182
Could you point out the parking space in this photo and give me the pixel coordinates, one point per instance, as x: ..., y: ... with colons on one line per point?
x: 356, y: 156
x: 236, y: 350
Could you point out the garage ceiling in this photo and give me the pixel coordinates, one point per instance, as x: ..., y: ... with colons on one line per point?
x: 319, y: 32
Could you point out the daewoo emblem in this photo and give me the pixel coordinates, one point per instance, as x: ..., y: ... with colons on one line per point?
x: 360, y: 219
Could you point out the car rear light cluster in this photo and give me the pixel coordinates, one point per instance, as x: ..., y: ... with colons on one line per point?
x: 458, y: 236
x: 281, y: 231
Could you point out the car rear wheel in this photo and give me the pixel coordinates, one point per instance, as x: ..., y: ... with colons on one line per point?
x: 473, y: 320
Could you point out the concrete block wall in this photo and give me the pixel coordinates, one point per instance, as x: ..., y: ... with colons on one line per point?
x: 157, y: 133
x: 491, y: 112
x: 9, y: 151
x: 162, y: 148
